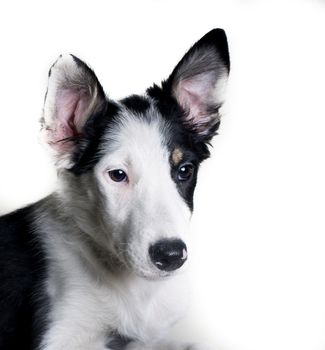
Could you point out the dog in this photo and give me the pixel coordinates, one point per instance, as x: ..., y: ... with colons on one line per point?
x: 99, y: 264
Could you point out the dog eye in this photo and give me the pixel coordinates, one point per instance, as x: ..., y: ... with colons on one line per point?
x: 185, y: 172
x: 117, y: 175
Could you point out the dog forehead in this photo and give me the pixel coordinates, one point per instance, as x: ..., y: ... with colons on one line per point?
x: 138, y: 134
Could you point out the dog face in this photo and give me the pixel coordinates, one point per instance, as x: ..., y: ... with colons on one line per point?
x: 128, y: 168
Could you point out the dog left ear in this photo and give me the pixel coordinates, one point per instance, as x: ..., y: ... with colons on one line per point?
x: 74, y: 94
x: 198, y: 83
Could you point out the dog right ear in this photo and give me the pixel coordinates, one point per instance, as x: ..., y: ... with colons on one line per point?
x: 73, y: 95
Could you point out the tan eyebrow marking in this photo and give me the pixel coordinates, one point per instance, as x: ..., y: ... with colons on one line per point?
x: 177, y: 156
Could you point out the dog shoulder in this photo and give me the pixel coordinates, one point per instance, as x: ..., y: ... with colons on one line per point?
x: 16, y: 240
x: 22, y: 266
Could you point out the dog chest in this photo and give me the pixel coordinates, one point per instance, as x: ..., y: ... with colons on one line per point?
x: 134, y: 307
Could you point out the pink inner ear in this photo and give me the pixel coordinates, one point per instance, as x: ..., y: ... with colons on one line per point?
x: 71, y: 107
x: 194, y: 95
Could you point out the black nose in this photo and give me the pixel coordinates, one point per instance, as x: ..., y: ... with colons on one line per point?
x: 168, y: 255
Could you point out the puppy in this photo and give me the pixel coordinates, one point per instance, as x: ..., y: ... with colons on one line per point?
x: 98, y: 264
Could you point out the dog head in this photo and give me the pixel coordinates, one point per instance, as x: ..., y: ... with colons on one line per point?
x: 128, y: 168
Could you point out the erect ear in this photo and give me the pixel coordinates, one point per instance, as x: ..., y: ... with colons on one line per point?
x: 198, y: 82
x: 73, y: 95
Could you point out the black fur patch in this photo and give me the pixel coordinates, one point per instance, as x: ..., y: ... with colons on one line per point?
x: 89, y: 151
x: 186, y: 188
x: 23, y: 307
x: 136, y: 104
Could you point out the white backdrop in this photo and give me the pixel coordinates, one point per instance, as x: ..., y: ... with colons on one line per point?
x: 259, y: 258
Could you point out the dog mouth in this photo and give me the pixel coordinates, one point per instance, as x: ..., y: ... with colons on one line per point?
x: 144, y: 268
x: 151, y: 271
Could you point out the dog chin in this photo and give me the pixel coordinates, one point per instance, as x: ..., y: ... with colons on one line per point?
x: 155, y: 276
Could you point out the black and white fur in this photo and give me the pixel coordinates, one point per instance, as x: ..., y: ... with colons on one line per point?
x: 76, y: 270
